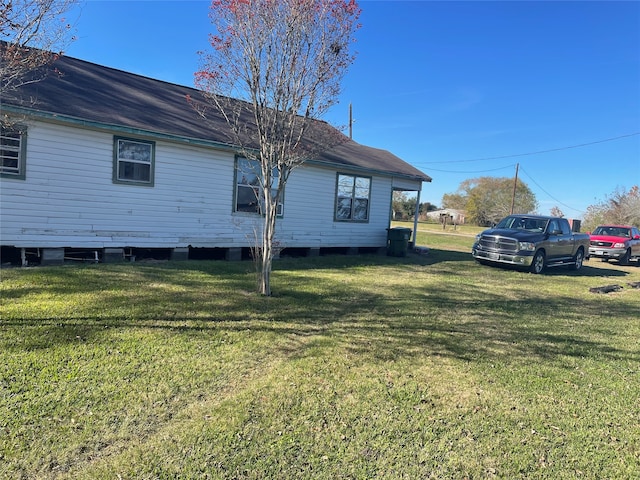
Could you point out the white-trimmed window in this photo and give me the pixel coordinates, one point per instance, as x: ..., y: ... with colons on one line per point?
x: 353, y: 195
x: 133, y: 161
x: 248, y: 191
x: 13, y: 151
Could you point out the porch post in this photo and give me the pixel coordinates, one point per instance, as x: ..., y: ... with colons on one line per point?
x: 415, y: 219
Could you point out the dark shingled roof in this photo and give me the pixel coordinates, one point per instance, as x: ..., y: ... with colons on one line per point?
x: 93, y: 94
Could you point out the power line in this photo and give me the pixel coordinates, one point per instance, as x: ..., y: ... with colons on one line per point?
x: 475, y: 171
x: 537, y: 152
x: 548, y: 194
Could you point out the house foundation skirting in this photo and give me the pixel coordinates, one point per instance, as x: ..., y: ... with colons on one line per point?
x: 14, y: 256
x: 52, y: 256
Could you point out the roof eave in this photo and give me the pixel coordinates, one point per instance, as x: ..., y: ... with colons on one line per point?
x: 80, y: 122
x: 417, y: 178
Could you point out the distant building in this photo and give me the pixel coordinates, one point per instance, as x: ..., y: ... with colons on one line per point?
x: 453, y: 217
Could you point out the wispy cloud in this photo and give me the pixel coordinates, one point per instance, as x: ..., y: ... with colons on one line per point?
x: 464, y: 98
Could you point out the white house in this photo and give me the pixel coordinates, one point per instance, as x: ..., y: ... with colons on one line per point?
x: 102, y: 163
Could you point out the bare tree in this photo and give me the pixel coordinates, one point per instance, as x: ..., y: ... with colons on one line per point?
x: 33, y: 33
x: 620, y: 207
x: 556, y: 212
x: 285, y: 60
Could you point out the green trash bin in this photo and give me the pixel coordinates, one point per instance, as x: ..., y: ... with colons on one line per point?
x: 398, y: 241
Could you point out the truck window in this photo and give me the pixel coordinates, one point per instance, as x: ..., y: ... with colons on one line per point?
x: 506, y: 222
x: 564, y: 225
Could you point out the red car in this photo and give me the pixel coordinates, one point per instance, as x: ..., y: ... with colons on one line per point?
x: 620, y: 242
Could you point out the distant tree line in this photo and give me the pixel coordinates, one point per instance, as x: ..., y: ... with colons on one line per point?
x: 620, y: 207
x: 404, y: 207
x: 486, y: 200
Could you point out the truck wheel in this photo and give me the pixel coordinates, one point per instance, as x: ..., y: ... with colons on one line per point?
x: 538, y: 264
x: 624, y: 260
x: 577, y: 260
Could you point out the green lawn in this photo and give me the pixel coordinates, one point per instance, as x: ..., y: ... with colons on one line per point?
x: 358, y: 367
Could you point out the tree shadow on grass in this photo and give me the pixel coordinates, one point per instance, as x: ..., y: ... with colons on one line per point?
x: 444, y: 316
x: 435, y: 256
x: 422, y: 315
x: 587, y: 270
x: 466, y: 325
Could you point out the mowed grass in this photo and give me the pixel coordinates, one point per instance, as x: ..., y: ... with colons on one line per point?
x: 428, y: 366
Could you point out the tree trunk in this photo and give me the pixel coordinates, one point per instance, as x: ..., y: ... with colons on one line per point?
x: 264, y: 280
x: 266, y: 251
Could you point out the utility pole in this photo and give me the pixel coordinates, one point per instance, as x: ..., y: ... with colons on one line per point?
x: 515, y: 183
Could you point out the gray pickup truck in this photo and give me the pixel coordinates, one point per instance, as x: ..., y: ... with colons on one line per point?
x: 532, y: 241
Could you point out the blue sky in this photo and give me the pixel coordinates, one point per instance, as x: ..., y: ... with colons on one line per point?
x: 458, y: 89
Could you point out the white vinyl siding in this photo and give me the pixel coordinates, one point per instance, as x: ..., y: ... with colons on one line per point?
x: 192, y: 202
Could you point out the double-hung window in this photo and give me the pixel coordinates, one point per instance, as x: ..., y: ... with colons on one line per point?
x: 13, y: 149
x: 353, y: 195
x: 248, y: 194
x: 133, y: 161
